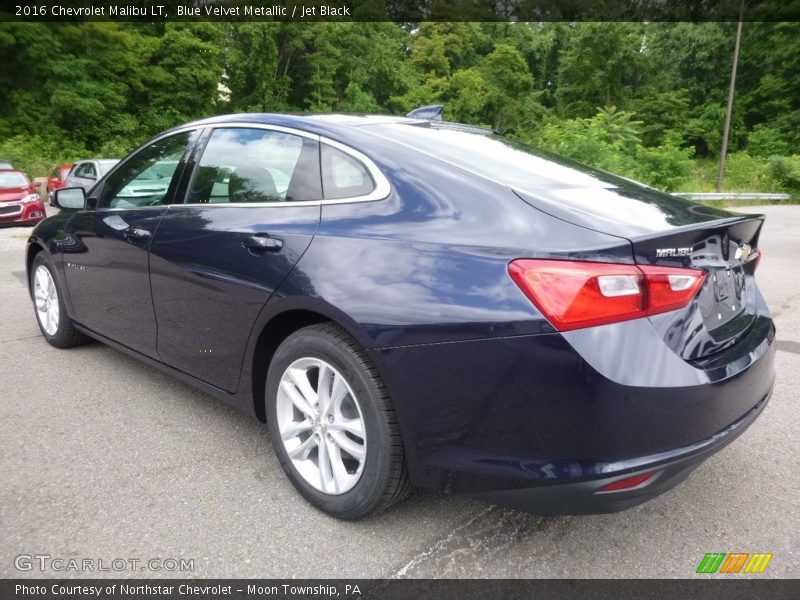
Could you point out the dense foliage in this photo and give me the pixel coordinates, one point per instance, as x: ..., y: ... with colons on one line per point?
x: 645, y: 100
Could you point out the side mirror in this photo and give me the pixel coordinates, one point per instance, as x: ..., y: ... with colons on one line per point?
x: 74, y: 198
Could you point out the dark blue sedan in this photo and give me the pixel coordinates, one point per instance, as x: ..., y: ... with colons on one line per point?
x: 406, y: 301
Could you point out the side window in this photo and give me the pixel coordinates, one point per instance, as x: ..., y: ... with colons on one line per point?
x: 80, y: 170
x: 241, y: 165
x: 343, y: 176
x: 89, y: 170
x: 145, y: 179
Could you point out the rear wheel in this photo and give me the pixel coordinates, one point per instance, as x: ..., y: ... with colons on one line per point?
x: 48, y: 303
x: 332, y: 424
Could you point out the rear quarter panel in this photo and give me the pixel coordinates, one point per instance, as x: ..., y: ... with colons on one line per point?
x: 429, y: 263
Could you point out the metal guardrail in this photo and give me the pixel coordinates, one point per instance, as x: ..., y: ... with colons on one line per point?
x: 732, y: 196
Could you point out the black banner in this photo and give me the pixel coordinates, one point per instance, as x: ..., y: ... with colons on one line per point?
x: 711, y: 588
x: 399, y: 10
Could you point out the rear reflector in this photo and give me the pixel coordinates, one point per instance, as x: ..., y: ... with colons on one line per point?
x: 628, y: 483
x: 573, y: 294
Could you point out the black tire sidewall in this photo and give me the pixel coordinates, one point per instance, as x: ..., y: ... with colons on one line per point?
x: 368, y: 492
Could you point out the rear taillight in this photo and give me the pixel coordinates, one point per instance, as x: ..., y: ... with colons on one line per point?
x: 669, y: 288
x: 573, y: 295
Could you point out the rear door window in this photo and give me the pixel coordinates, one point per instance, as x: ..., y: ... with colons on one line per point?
x: 241, y: 165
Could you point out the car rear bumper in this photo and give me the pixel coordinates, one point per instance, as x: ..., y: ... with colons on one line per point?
x: 587, y: 497
x: 537, y: 424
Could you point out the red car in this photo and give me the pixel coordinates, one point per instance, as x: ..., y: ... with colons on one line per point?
x: 57, y: 180
x: 19, y: 200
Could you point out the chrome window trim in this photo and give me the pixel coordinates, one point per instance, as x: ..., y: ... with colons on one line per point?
x: 382, y: 186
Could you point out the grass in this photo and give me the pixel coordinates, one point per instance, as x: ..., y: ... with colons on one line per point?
x: 743, y: 173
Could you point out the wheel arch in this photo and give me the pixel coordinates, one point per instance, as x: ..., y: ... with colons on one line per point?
x: 31, y: 251
x: 278, y: 324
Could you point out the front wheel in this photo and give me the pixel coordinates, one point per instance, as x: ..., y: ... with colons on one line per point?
x: 56, y: 326
x: 332, y: 424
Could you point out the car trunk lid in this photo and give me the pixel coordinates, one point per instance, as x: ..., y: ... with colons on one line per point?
x: 668, y: 231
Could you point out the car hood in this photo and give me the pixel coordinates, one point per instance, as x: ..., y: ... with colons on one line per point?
x: 11, y: 194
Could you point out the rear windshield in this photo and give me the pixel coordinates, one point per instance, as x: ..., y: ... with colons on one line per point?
x: 511, y: 163
x: 12, y: 180
x: 105, y: 167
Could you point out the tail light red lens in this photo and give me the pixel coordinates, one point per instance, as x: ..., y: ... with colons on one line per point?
x: 669, y: 288
x: 573, y: 294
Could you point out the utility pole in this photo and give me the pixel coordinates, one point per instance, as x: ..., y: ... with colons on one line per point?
x: 726, y: 130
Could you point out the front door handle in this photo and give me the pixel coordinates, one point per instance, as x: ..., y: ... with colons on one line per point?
x: 263, y: 242
x: 136, y: 234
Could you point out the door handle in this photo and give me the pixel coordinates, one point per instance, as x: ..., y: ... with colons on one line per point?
x: 136, y: 234
x: 263, y: 242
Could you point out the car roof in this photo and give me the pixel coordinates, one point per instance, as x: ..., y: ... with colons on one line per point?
x: 313, y: 123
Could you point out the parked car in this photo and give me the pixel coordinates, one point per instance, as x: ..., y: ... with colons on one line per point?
x: 152, y: 183
x: 19, y: 201
x: 406, y: 301
x: 57, y: 180
x: 86, y: 173
x: 6, y: 164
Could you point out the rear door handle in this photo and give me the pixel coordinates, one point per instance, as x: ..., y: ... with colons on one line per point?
x: 263, y: 242
x: 136, y: 234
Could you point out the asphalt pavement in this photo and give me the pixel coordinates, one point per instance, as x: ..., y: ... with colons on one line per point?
x: 104, y: 458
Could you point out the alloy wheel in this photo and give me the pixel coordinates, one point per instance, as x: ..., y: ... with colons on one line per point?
x: 46, y: 299
x: 321, y: 425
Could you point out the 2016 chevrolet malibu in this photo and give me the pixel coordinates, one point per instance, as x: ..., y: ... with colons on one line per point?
x: 406, y: 301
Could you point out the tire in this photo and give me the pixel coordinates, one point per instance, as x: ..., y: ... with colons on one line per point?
x: 351, y: 486
x: 56, y: 326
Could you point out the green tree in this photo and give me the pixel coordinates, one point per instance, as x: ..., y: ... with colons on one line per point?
x: 509, y: 87
x: 252, y: 68
x: 601, y: 64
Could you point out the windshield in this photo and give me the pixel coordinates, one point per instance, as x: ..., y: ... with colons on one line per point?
x: 508, y: 162
x: 11, y: 179
x: 550, y: 182
x: 105, y: 167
